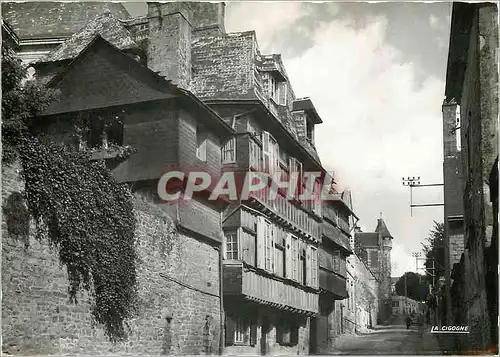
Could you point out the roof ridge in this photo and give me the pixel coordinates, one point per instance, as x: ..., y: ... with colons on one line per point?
x: 101, y: 25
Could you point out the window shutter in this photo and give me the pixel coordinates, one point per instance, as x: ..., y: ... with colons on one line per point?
x: 295, y: 258
x: 276, y: 158
x: 239, y: 239
x: 314, y: 267
x: 266, y: 152
x: 230, y: 328
x: 308, y: 266
x: 260, y: 242
x: 274, y: 239
x: 288, y: 256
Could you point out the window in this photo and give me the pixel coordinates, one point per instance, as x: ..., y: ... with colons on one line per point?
x: 201, y: 143
x: 229, y: 151
x: 255, y: 155
x: 277, y: 90
x: 395, y: 303
x: 270, y: 153
x: 231, y: 245
x: 104, y: 130
x: 302, y: 267
x: 295, y: 258
x: 317, y: 198
x: 241, y: 329
x: 269, y: 231
x: 314, y: 267
x: 296, y: 168
x: 279, y: 266
x: 287, y: 331
x: 266, y: 233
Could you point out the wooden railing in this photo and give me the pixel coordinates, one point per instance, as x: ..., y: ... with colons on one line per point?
x: 286, y: 212
x: 333, y: 283
x: 257, y: 286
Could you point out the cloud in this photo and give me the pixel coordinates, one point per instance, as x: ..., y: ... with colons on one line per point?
x: 401, y: 261
x: 378, y: 87
x: 266, y: 20
x: 378, y: 125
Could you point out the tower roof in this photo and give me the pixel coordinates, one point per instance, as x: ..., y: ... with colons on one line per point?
x: 382, y: 229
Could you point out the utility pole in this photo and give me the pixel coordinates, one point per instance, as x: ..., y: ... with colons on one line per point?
x: 415, y: 182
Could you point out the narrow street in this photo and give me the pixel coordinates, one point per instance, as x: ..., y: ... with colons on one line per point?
x: 389, y: 340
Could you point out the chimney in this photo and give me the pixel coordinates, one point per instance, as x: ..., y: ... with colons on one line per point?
x: 208, y: 19
x: 169, y: 44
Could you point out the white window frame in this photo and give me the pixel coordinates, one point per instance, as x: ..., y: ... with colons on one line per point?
x: 235, y: 243
x: 229, y: 151
x: 241, y: 331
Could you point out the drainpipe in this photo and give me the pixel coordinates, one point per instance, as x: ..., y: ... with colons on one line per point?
x: 221, y: 292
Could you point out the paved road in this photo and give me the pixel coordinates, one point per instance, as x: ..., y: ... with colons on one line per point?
x: 389, y: 340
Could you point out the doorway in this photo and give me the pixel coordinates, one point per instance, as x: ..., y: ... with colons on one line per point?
x: 266, y: 327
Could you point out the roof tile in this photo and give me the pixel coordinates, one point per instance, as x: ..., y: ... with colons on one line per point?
x: 48, y: 19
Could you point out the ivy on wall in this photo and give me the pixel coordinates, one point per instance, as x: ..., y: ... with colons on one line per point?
x: 75, y: 203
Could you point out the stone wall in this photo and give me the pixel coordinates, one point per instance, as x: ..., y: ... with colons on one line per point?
x: 479, y: 112
x: 178, y: 277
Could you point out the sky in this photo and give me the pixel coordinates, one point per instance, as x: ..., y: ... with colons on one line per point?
x: 376, y: 74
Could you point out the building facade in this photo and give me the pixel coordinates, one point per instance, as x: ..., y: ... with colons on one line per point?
x: 472, y: 84
x: 334, y: 251
x: 245, y: 276
x: 375, y: 249
x: 179, y: 255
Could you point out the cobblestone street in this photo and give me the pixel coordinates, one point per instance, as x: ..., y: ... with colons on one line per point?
x: 389, y: 340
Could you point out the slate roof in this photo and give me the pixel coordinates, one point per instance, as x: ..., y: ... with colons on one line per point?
x: 56, y: 19
x: 382, y: 229
x: 107, y: 25
x: 226, y: 68
x: 367, y: 239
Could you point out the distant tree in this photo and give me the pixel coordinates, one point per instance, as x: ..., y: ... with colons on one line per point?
x: 434, y: 251
x: 416, y: 287
x: 434, y: 263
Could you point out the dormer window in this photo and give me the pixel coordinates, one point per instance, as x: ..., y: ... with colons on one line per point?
x: 277, y: 89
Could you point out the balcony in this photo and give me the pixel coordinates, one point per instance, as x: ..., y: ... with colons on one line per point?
x: 254, y: 285
x: 288, y: 214
x: 332, y: 283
